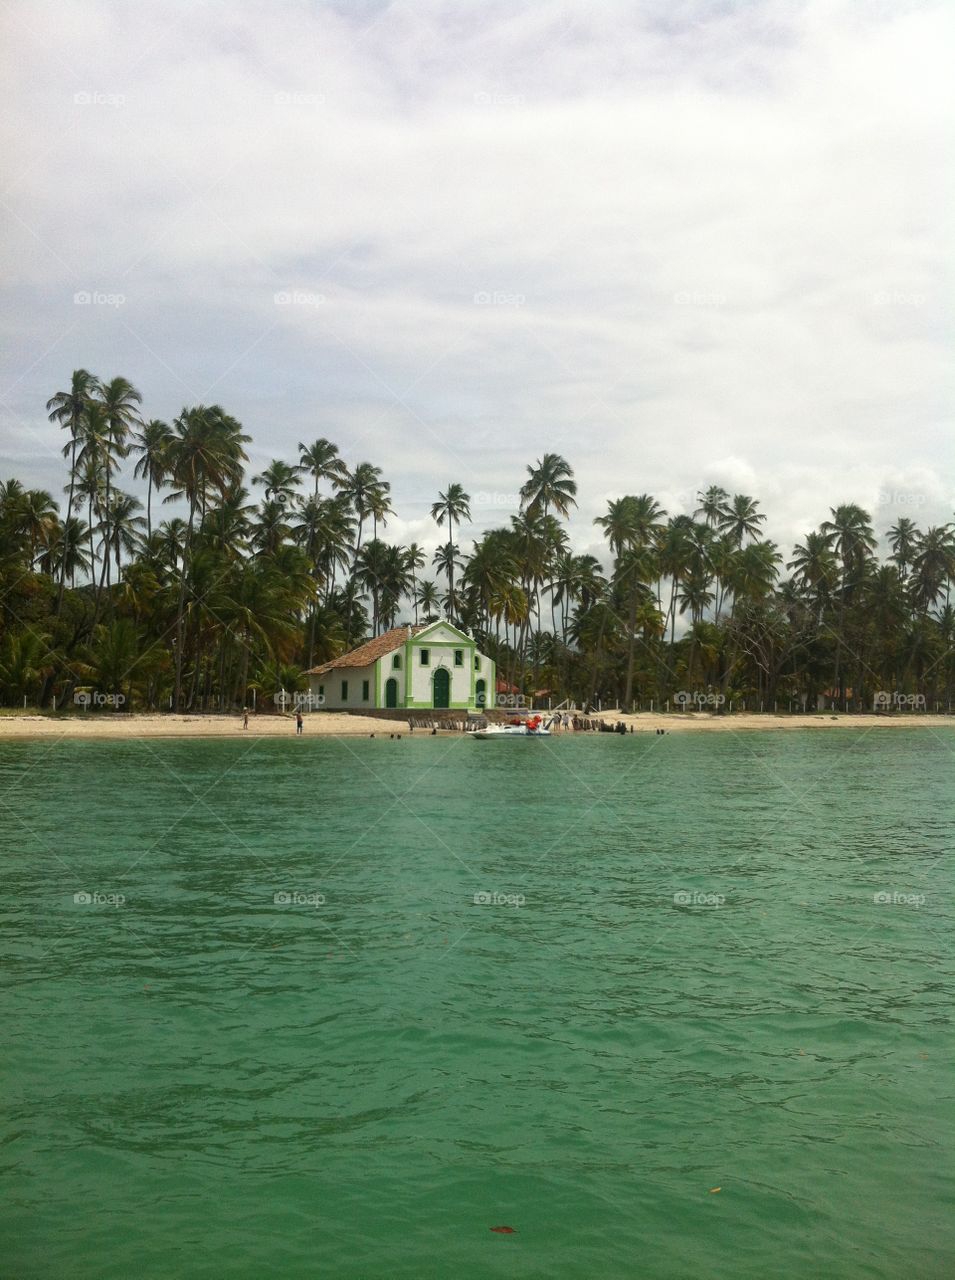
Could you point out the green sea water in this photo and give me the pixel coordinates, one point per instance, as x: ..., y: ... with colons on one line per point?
x: 337, y: 1008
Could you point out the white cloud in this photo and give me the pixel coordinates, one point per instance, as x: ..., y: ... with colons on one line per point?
x: 680, y: 243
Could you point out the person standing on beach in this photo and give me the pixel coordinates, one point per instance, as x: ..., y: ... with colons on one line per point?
x: 245, y: 717
x: 299, y: 722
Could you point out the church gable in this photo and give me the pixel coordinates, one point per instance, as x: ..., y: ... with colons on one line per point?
x: 442, y: 633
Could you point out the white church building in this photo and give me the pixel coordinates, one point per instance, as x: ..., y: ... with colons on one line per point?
x: 419, y: 668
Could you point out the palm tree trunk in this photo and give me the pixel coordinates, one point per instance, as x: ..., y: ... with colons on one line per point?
x: 69, y: 512
x: 177, y: 695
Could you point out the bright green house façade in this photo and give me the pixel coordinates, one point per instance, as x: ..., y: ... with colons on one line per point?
x: 418, y: 668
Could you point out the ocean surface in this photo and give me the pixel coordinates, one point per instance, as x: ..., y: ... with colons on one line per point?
x: 675, y: 1008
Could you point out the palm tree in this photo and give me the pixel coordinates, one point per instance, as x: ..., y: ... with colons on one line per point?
x: 549, y: 484
x: 816, y: 567
x: 119, y: 399
x: 38, y: 520
x: 415, y: 559
x: 68, y: 552
x: 359, y: 488
x: 933, y: 566
x: 320, y: 460
x: 280, y: 479
x: 903, y: 539
x: 68, y: 409
x: 852, y: 539
x: 428, y: 599
x: 206, y: 452
x: 125, y: 525
x: 713, y: 505
x: 152, y: 445
x: 740, y: 518
x: 454, y: 506
x: 446, y: 559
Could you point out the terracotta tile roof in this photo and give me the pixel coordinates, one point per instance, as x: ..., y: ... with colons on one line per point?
x: 368, y: 653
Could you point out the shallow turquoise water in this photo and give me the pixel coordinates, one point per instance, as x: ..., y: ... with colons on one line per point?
x: 698, y: 990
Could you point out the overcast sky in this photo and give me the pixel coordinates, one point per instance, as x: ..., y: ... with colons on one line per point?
x: 679, y: 243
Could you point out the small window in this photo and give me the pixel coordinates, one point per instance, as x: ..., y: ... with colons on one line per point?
x: 396, y: 662
x: 477, y: 664
x: 321, y: 691
x: 459, y: 657
x: 425, y: 657
x: 344, y: 691
x: 364, y: 690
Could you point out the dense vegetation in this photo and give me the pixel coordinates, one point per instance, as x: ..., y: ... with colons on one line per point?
x: 248, y: 587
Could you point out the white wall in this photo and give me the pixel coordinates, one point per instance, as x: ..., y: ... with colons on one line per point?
x: 332, y: 683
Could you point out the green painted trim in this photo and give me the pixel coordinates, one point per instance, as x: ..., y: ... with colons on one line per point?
x: 451, y: 627
x: 446, y: 644
x: 409, y: 700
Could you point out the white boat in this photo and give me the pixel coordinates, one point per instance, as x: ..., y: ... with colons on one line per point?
x: 533, y: 727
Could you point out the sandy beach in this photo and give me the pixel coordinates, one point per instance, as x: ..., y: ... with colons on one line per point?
x: 330, y: 723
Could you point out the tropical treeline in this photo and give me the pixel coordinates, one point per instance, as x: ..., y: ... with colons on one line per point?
x: 248, y: 580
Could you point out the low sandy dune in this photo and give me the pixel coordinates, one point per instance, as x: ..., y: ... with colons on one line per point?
x: 330, y: 723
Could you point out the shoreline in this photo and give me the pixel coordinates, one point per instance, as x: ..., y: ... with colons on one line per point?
x: 324, y: 724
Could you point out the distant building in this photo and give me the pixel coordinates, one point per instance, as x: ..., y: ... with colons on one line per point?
x: 420, y: 668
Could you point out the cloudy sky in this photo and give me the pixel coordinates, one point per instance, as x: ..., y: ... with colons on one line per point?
x: 679, y: 241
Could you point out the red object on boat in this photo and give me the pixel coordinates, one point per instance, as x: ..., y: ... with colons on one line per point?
x: 507, y: 1231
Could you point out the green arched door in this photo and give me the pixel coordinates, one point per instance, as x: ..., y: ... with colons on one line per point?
x: 442, y: 688
x: 391, y: 692
x: 480, y: 693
